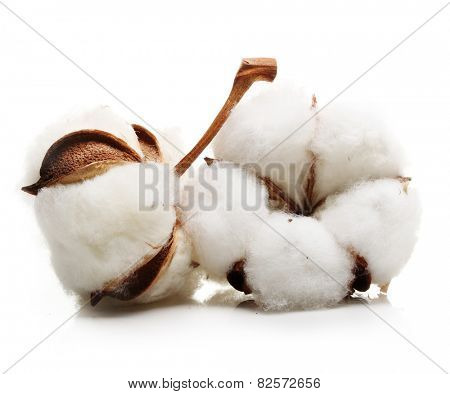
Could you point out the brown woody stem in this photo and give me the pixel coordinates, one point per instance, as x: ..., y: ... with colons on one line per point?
x: 251, y: 70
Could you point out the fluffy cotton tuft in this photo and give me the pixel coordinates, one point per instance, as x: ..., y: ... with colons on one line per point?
x: 100, y: 118
x: 220, y: 204
x: 294, y: 262
x: 173, y: 144
x: 97, y: 230
x: 348, y: 146
x: 378, y: 220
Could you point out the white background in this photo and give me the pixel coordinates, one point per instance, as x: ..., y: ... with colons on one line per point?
x: 172, y: 63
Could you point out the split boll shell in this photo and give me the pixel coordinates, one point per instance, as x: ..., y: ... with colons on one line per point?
x: 100, y: 117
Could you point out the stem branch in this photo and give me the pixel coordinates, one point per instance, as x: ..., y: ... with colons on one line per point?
x: 251, y: 70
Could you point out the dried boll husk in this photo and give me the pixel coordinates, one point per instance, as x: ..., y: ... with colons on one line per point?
x: 377, y: 220
x: 85, y: 144
x: 100, y: 117
x: 330, y: 151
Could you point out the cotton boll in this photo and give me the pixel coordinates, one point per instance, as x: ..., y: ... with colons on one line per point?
x: 278, y: 130
x: 102, y: 228
x: 99, y: 118
x: 220, y: 203
x: 294, y: 262
x: 379, y: 221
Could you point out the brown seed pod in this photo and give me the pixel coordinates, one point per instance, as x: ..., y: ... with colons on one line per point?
x: 149, y: 144
x: 140, y: 278
x: 278, y: 199
x: 236, y: 277
x: 363, y: 278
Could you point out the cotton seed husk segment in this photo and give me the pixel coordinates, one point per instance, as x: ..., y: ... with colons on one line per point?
x: 81, y: 155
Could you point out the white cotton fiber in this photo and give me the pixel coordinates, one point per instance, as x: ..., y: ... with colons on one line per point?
x: 100, y: 118
x: 97, y: 229
x: 379, y: 221
x: 257, y: 125
x: 220, y: 203
x: 294, y: 262
x: 173, y: 144
x: 349, y: 146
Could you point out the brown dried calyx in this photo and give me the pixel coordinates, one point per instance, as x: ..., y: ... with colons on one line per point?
x: 132, y: 284
x: 362, y: 277
x: 236, y: 277
x: 85, y: 154
x: 278, y: 199
x: 148, y: 143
